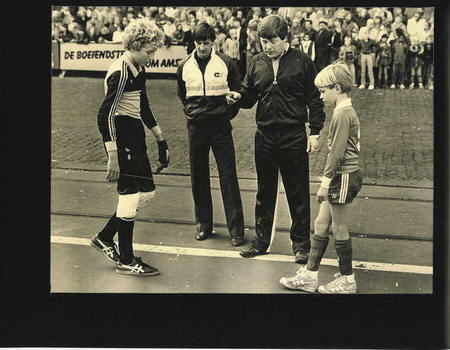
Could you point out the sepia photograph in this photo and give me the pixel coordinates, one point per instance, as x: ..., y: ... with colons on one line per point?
x: 242, y: 150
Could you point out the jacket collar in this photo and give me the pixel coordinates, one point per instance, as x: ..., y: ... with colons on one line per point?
x: 344, y: 103
x: 133, y: 69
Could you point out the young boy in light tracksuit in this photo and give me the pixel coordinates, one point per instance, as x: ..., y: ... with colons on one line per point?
x: 341, y: 183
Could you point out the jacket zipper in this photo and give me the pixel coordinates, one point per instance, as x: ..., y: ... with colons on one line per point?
x: 203, y: 75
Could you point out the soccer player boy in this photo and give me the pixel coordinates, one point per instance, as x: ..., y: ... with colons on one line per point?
x: 120, y: 121
x: 341, y: 182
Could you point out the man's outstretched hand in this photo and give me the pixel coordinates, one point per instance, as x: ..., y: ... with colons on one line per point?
x: 232, y: 97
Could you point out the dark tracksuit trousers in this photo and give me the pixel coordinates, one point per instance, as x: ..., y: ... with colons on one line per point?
x: 218, y: 137
x: 282, y: 149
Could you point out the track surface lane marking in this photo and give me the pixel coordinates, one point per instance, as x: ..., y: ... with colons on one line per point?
x: 216, y: 253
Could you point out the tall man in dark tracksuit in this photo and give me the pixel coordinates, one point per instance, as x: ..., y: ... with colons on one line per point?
x: 204, y: 79
x: 281, y: 80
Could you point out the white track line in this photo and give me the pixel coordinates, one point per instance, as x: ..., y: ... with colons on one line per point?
x: 216, y: 253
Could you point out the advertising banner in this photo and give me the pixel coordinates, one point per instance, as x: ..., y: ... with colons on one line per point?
x: 55, y: 54
x: 98, y: 57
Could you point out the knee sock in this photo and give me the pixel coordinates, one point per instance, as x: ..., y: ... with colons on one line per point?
x: 344, y: 252
x: 110, y: 229
x: 318, y: 247
x: 125, y: 229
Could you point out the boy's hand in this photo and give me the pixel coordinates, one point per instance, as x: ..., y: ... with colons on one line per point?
x: 164, y: 156
x: 322, y: 194
x: 313, y: 144
x: 112, y: 168
x: 232, y: 97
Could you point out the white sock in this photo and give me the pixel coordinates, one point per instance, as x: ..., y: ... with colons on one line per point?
x: 350, y: 278
x: 313, y: 274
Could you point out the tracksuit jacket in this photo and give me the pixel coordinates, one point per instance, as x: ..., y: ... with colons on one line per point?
x: 202, y: 93
x: 289, y: 99
x: 125, y: 95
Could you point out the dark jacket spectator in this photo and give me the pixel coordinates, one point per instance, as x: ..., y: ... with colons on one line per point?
x: 323, y: 45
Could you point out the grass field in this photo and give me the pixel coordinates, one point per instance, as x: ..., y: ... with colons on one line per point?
x: 396, y: 130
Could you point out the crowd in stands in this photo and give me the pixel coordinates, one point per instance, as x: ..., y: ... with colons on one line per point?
x: 388, y: 47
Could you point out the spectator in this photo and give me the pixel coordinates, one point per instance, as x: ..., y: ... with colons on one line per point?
x: 226, y: 13
x: 415, y: 25
x: 189, y: 38
x: 118, y: 34
x: 125, y: 21
x: 253, y: 40
x: 231, y: 45
x: 178, y: 35
x: 370, y: 28
x: 426, y: 32
x: 94, y: 27
x: 117, y: 22
x: 340, y: 13
x: 361, y: 17
x: 349, y: 25
x: 399, y: 52
x: 349, y: 54
x: 170, y: 12
x: 307, y: 23
x: 337, y: 39
x: 415, y: 54
x: 81, y: 18
x: 242, y: 40
x: 169, y: 28
x: 384, y: 59
x: 308, y: 46
x: 400, y: 12
x: 367, y: 47
x: 315, y: 22
x: 295, y: 42
x: 160, y: 17
x: 192, y: 16
x: 295, y: 29
x: 81, y: 36
x: 105, y: 34
x: 322, y: 45
x: 220, y: 39
x: 428, y: 66
x: 377, y: 23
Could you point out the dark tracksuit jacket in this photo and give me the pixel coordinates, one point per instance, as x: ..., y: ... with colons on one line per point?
x: 285, y: 103
x: 120, y: 121
x: 201, y: 85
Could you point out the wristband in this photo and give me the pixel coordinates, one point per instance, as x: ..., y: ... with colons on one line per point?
x: 111, y: 146
x: 325, y: 182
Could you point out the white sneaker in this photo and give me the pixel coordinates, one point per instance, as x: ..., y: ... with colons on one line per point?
x: 420, y: 86
x: 430, y: 87
x: 371, y: 87
x: 362, y: 86
x: 341, y: 285
x: 304, y: 280
x: 411, y: 86
x: 393, y: 86
x: 402, y: 87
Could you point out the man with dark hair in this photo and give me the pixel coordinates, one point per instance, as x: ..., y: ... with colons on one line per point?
x: 281, y: 81
x: 204, y: 79
x: 307, y: 23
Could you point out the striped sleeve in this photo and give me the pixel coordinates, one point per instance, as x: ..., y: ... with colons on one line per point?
x: 147, y: 114
x: 337, y: 141
x: 106, y: 116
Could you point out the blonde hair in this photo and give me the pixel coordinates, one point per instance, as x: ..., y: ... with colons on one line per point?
x: 337, y: 73
x: 141, y: 31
